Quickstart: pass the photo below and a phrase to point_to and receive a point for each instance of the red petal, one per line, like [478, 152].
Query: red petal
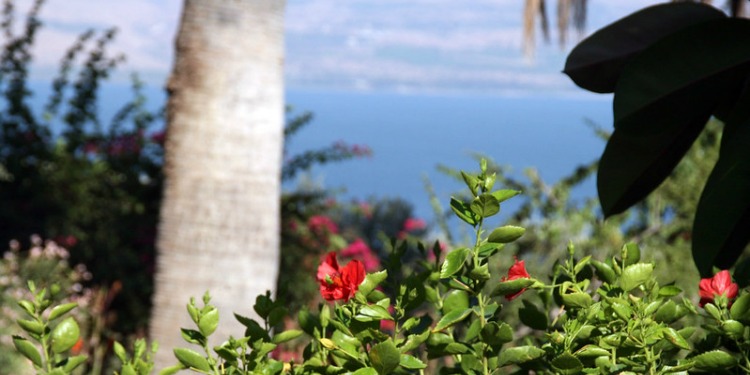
[329, 267]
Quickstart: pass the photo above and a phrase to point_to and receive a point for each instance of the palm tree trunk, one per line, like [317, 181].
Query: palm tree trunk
[219, 224]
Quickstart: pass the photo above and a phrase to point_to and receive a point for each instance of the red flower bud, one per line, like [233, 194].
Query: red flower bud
[516, 271]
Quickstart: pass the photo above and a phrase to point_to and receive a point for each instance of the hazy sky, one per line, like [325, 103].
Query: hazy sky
[383, 45]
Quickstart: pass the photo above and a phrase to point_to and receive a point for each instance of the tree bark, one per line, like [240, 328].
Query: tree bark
[219, 223]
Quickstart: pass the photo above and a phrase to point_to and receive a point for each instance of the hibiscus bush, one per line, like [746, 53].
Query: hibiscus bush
[442, 315]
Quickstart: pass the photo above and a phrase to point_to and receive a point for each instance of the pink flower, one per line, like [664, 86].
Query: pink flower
[412, 224]
[359, 250]
[339, 283]
[720, 284]
[320, 224]
[516, 271]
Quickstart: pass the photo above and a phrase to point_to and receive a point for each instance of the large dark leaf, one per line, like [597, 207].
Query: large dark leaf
[663, 99]
[633, 166]
[595, 64]
[713, 55]
[722, 220]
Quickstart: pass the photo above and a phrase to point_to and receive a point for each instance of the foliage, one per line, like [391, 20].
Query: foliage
[672, 67]
[594, 316]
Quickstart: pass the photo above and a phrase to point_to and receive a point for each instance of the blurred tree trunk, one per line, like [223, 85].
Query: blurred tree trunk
[219, 224]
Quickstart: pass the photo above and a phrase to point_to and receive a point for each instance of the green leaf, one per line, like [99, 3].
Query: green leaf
[675, 338]
[171, 370]
[495, 334]
[72, 362]
[577, 300]
[414, 341]
[192, 359]
[385, 357]
[631, 254]
[455, 300]
[463, 211]
[373, 312]
[485, 205]
[192, 336]
[506, 234]
[411, 363]
[28, 350]
[669, 291]
[120, 352]
[505, 194]
[532, 316]
[519, 354]
[58, 311]
[286, 336]
[723, 214]
[453, 263]
[471, 182]
[596, 63]
[604, 272]
[635, 275]
[65, 335]
[372, 280]
[592, 351]
[308, 322]
[208, 322]
[28, 307]
[740, 309]
[127, 369]
[567, 364]
[505, 288]
[31, 326]
[667, 312]
[365, 371]
[715, 360]
[450, 319]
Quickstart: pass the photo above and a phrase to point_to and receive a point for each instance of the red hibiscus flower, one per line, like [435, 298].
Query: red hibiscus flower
[339, 283]
[516, 271]
[720, 284]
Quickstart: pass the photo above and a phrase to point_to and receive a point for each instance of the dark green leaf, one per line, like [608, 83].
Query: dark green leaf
[567, 364]
[596, 63]
[385, 357]
[496, 334]
[519, 354]
[365, 371]
[532, 316]
[675, 338]
[604, 271]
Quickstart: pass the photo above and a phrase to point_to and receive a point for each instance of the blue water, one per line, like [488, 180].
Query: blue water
[410, 135]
